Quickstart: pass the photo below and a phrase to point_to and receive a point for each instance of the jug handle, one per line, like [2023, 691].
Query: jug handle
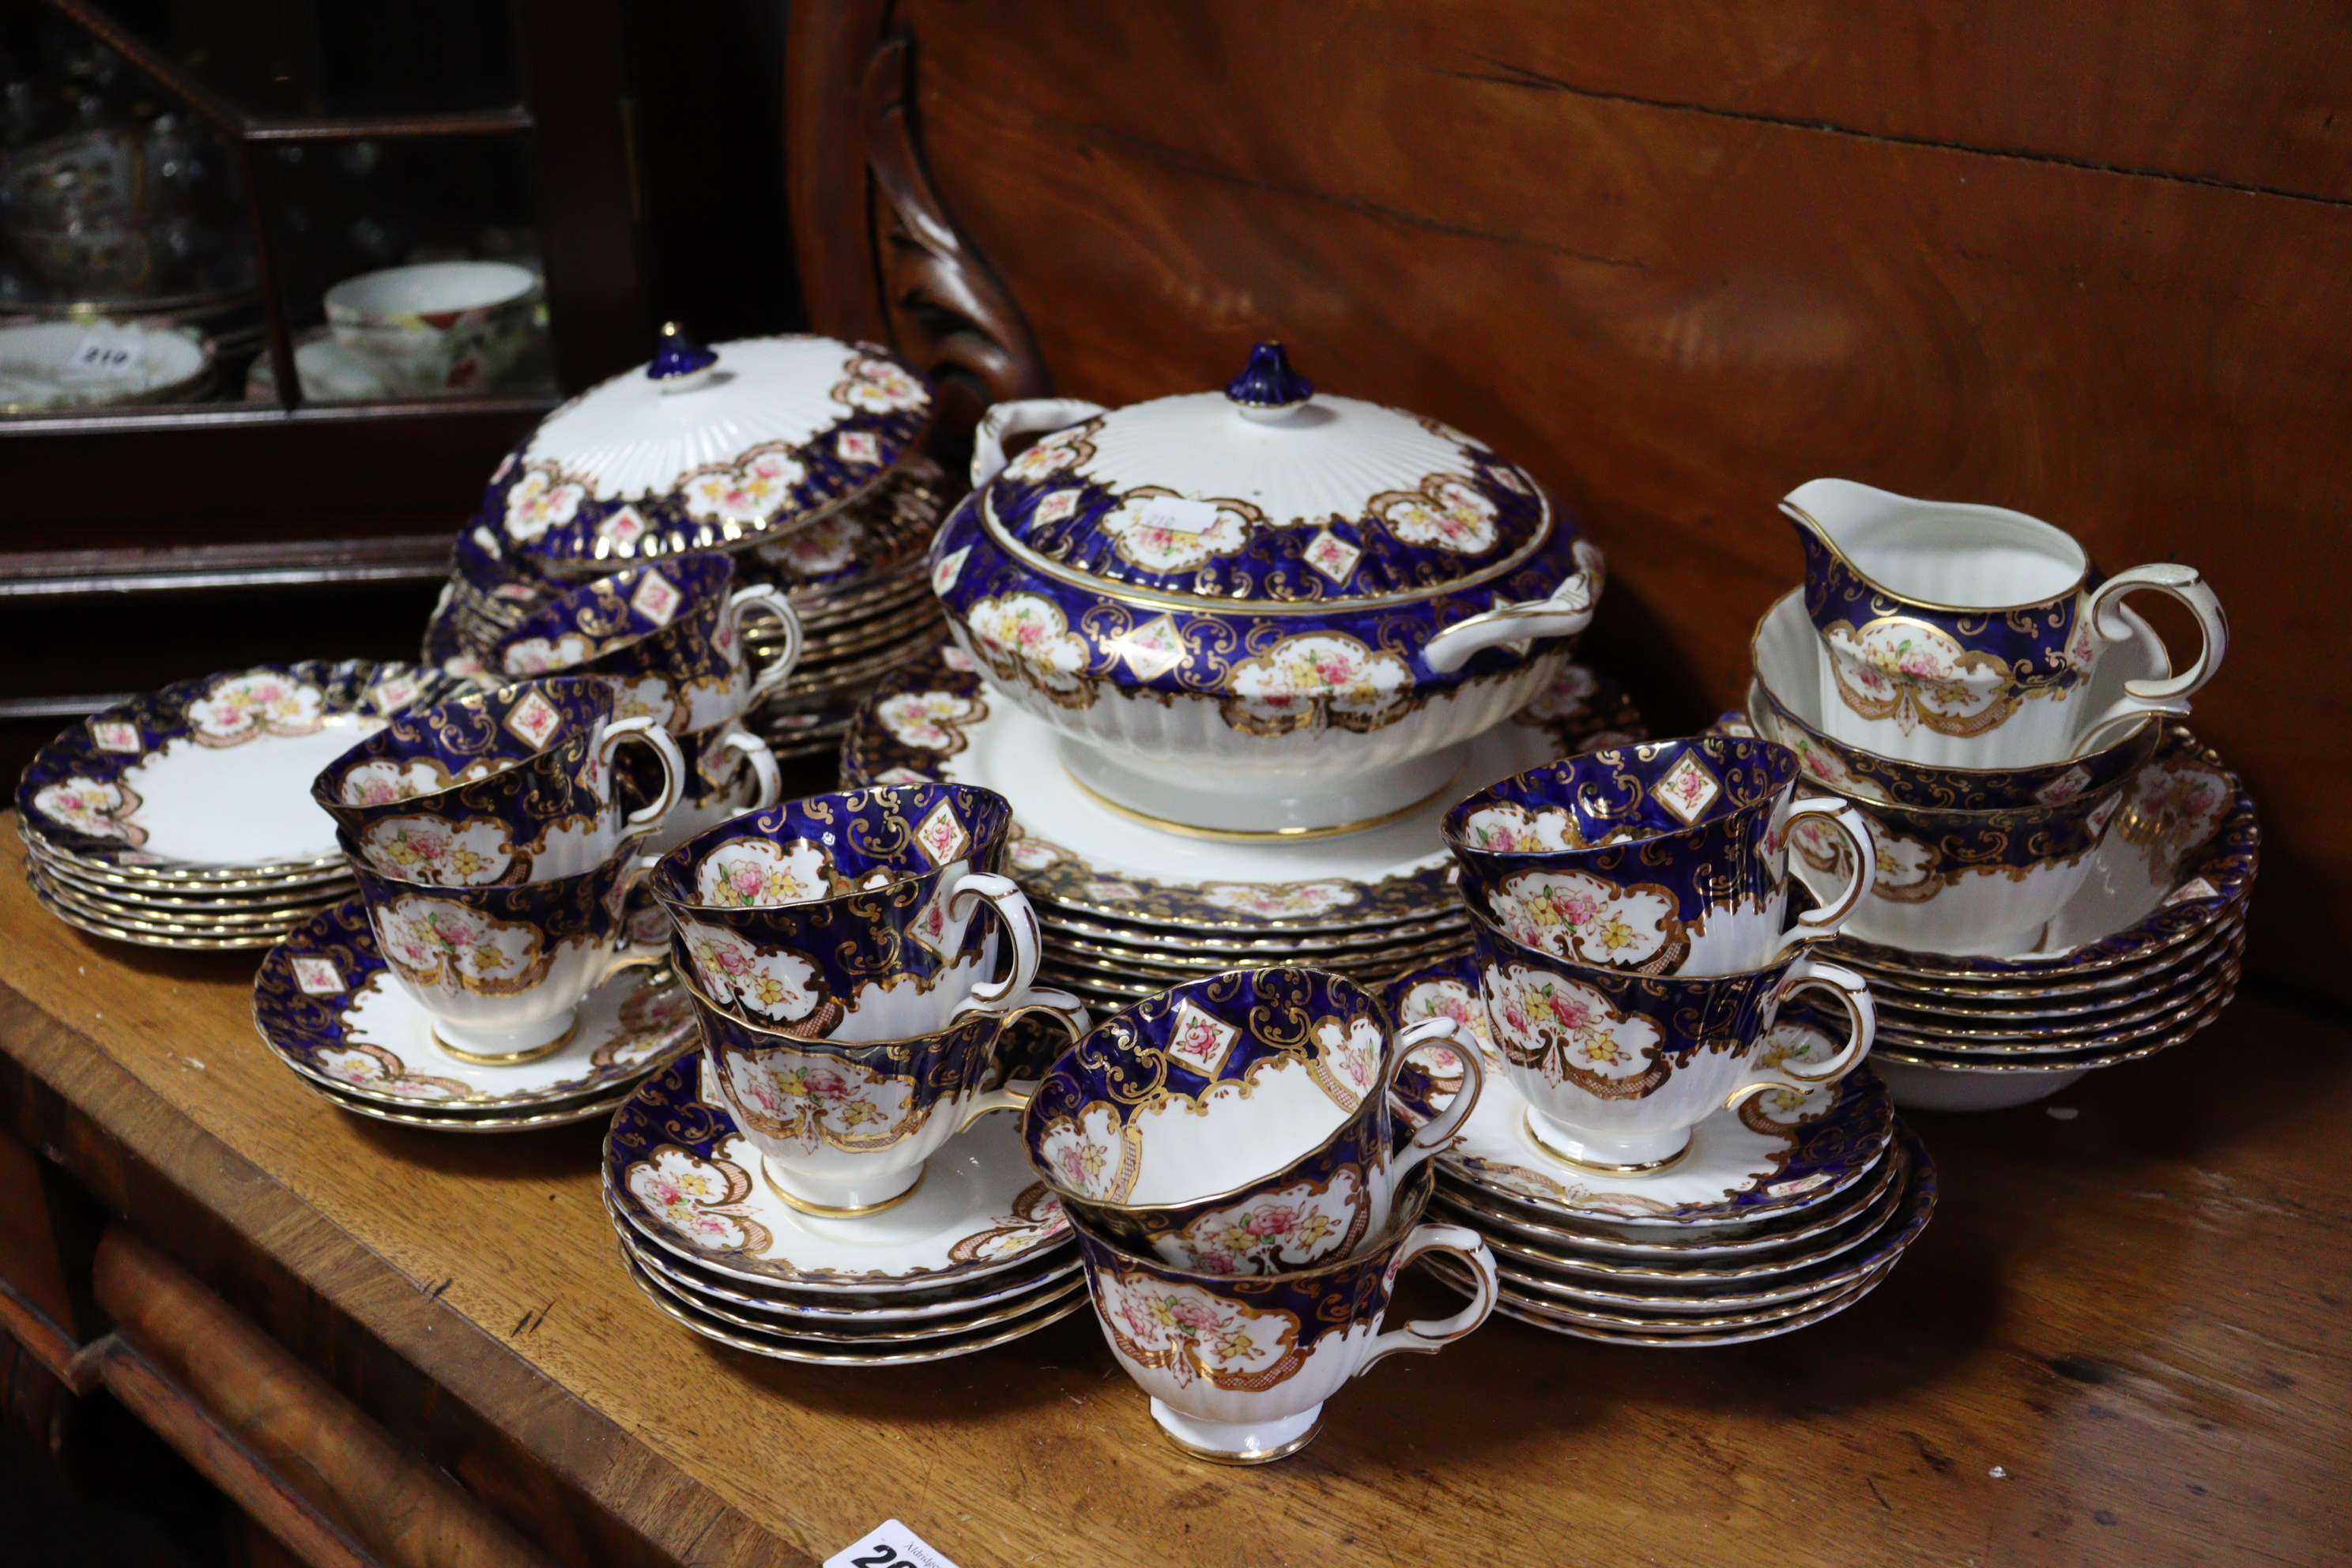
[2185, 585]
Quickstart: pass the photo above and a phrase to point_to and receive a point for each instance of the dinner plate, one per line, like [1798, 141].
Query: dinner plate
[936, 719]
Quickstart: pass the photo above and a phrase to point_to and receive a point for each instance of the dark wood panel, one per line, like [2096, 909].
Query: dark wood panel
[2257, 94]
[1675, 318]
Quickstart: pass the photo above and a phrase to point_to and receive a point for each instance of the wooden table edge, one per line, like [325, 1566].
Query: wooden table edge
[67, 1089]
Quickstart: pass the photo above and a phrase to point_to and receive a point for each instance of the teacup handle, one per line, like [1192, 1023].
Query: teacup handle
[1064, 1009]
[1429, 1335]
[764, 771]
[1815, 924]
[2170, 696]
[1018, 417]
[630, 955]
[1853, 993]
[1438, 1131]
[645, 819]
[767, 597]
[1568, 612]
[1012, 906]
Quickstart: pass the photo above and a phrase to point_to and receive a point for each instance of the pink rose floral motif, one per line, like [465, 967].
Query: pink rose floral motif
[1302, 680]
[1187, 1334]
[428, 849]
[817, 1102]
[825, 545]
[780, 985]
[383, 782]
[244, 706]
[755, 874]
[930, 721]
[1093, 1156]
[1567, 1030]
[654, 1020]
[1569, 694]
[93, 806]
[1512, 829]
[1916, 674]
[948, 568]
[1275, 900]
[877, 386]
[540, 500]
[1350, 1059]
[1026, 637]
[1331, 555]
[1290, 1229]
[942, 835]
[702, 1201]
[543, 656]
[1587, 919]
[2176, 806]
[373, 1068]
[1200, 1041]
[1446, 514]
[752, 490]
[438, 942]
[1052, 453]
[1166, 533]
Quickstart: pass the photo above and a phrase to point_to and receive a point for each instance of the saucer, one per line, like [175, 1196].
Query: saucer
[2095, 1031]
[936, 719]
[2181, 854]
[209, 942]
[325, 1002]
[554, 1113]
[685, 1178]
[1776, 1153]
[208, 780]
[1565, 1252]
[818, 1352]
[1894, 1227]
[906, 1331]
[835, 1308]
[1814, 1312]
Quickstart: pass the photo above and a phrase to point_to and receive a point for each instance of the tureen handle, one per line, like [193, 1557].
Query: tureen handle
[1568, 612]
[1018, 419]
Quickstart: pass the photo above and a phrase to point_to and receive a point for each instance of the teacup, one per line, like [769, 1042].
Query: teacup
[1784, 704]
[1238, 1124]
[1238, 1368]
[514, 785]
[1669, 858]
[1963, 636]
[669, 632]
[438, 326]
[502, 968]
[854, 915]
[843, 1130]
[1969, 883]
[1617, 1068]
[730, 771]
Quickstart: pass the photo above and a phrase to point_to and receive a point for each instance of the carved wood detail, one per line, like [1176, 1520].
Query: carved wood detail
[879, 257]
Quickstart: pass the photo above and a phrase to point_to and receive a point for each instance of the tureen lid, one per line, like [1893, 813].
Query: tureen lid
[1267, 491]
[706, 449]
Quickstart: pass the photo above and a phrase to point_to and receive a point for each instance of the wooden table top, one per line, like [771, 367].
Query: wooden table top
[2123, 1339]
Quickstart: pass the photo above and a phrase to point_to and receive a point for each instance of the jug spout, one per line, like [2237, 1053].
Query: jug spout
[1838, 521]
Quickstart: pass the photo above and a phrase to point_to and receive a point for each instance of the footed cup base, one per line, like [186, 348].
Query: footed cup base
[507, 1048]
[860, 1198]
[1238, 1442]
[1637, 1154]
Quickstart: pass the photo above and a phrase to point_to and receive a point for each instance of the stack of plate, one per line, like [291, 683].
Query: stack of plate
[858, 581]
[183, 818]
[978, 1255]
[1129, 911]
[2144, 956]
[327, 1005]
[1784, 1211]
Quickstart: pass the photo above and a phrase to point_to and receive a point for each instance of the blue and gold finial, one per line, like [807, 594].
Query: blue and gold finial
[1269, 385]
[680, 361]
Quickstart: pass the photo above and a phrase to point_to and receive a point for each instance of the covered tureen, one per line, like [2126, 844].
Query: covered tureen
[704, 449]
[1259, 611]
